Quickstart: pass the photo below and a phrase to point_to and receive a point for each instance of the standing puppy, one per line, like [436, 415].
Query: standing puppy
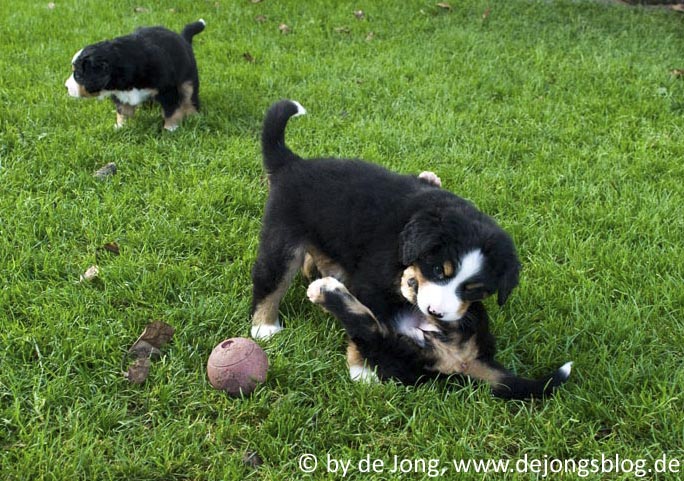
[151, 63]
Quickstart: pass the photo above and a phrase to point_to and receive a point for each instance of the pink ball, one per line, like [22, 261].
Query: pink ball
[237, 365]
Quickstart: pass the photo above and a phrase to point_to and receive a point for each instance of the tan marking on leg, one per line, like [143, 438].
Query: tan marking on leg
[184, 109]
[354, 357]
[172, 122]
[309, 269]
[266, 313]
[123, 112]
[483, 372]
[325, 265]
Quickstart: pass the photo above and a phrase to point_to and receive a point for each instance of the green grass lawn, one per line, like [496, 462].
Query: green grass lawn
[561, 119]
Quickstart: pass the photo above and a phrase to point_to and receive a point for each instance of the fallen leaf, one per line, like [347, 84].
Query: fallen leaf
[105, 171]
[138, 371]
[260, 18]
[370, 36]
[90, 274]
[146, 348]
[112, 247]
[678, 72]
[252, 459]
[284, 29]
[141, 10]
[248, 57]
[51, 5]
[157, 333]
[343, 29]
[486, 13]
[359, 14]
[444, 5]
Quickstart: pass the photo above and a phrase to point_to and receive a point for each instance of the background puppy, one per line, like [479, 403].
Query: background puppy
[411, 347]
[372, 223]
[151, 63]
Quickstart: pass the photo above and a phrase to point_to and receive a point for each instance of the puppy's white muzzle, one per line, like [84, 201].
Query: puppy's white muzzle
[72, 86]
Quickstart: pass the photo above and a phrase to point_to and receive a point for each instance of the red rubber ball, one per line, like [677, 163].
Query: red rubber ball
[236, 366]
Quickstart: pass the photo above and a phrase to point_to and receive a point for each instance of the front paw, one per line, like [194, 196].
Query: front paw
[409, 284]
[318, 288]
[430, 178]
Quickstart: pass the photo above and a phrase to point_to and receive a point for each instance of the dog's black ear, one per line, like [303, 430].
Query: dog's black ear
[420, 235]
[500, 252]
[97, 73]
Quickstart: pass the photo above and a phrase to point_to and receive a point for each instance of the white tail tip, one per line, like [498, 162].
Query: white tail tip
[300, 110]
[566, 369]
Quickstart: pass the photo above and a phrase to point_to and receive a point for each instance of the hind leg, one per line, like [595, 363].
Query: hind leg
[277, 263]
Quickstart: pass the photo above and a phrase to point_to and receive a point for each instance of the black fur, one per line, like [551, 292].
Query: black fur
[395, 356]
[150, 58]
[370, 221]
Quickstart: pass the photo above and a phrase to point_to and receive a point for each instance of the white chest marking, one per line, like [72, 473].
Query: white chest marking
[130, 97]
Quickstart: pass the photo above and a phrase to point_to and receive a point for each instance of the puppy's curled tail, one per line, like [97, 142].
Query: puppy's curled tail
[276, 153]
[510, 386]
[192, 29]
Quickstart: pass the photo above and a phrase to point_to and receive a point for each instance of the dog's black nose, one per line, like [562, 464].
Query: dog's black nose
[438, 315]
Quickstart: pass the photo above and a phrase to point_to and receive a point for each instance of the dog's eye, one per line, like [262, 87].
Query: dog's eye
[438, 271]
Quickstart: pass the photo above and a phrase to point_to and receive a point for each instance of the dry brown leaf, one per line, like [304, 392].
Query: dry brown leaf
[343, 29]
[260, 18]
[370, 36]
[141, 10]
[157, 333]
[486, 13]
[444, 5]
[112, 247]
[284, 29]
[248, 57]
[105, 171]
[138, 371]
[252, 459]
[678, 72]
[146, 348]
[90, 274]
[359, 14]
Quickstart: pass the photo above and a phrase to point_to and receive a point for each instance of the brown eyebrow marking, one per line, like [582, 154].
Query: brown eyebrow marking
[473, 285]
[448, 267]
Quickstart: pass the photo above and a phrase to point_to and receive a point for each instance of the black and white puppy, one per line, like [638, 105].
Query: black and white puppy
[371, 224]
[152, 63]
[411, 347]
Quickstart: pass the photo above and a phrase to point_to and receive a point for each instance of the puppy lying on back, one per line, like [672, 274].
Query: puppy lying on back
[152, 63]
[411, 347]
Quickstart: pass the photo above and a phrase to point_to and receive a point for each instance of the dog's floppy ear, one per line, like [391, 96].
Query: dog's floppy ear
[421, 234]
[97, 73]
[500, 251]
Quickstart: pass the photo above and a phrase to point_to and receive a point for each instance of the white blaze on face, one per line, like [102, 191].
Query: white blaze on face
[71, 84]
[442, 298]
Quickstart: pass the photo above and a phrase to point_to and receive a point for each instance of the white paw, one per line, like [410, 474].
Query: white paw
[363, 374]
[431, 177]
[171, 128]
[317, 288]
[265, 331]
